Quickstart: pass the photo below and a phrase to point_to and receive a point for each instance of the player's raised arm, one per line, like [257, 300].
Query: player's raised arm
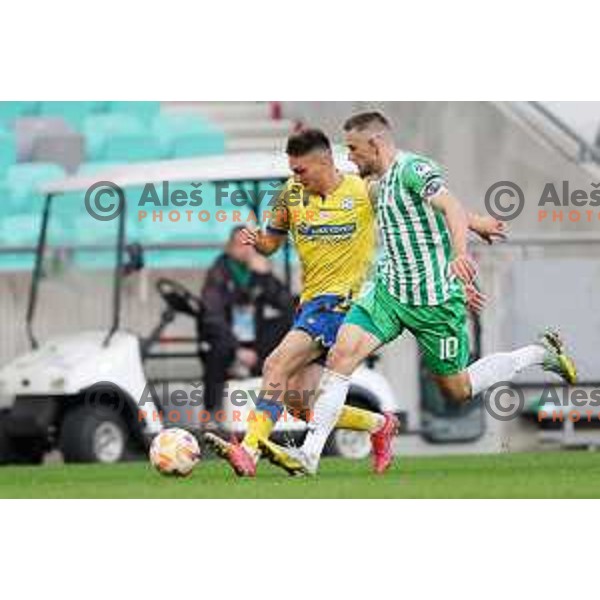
[488, 228]
[427, 181]
[458, 223]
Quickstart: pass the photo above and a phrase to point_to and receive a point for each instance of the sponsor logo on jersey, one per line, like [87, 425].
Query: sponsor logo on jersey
[326, 230]
[348, 203]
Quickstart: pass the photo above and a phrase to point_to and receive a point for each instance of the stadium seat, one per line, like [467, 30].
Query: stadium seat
[119, 137]
[8, 152]
[16, 261]
[27, 129]
[24, 179]
[73, 112]
[112, 123]
[207, 143]
[18, 231]
[98, 128]
[132, 147]
[8, 205]
[183, 136]
[9, 111]
[144, 110]
[66, 150]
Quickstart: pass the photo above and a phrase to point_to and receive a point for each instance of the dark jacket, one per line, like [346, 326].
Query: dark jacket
[221, 292]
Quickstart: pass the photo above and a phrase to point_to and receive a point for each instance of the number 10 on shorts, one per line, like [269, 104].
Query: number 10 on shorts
[448, 348]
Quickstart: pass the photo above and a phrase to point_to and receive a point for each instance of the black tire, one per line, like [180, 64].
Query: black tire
[82, 431]
[19, 451]
[6, 452]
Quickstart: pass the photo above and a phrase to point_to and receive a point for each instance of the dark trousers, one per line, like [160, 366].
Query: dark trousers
[218, 349]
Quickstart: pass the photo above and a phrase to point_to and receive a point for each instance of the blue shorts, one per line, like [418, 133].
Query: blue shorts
[322, 318]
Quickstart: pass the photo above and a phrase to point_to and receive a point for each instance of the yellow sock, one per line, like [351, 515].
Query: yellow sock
[359, 419]
[260, 426]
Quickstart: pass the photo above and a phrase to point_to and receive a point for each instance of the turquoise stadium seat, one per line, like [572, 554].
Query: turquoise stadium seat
[73, 112]
[9, 206]
[69, 210]
[86, 231]
[119, 137]
[9, 111]
[144, 110]
[22, 231]
[24, 179]
[72, 226]
[132, 195]
[113, 123]
[8, 152]
[183, 136]
[207, 143]
[132, 147]
[98, 128]
[184, 231]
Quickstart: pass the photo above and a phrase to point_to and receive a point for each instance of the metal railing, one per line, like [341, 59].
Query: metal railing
[587, 152]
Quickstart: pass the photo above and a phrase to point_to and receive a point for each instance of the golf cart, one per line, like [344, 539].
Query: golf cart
[85, 392]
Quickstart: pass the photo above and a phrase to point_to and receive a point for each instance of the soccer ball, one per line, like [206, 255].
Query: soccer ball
[174, 452]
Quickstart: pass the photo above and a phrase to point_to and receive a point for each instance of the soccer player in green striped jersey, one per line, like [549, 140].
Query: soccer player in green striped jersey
[423, 281]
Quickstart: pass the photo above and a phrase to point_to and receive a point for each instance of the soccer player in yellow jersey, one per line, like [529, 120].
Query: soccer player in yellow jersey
[330, 218]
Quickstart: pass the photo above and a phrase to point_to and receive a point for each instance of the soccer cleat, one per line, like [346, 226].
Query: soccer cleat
[381, 442]
[241, 461]
[556, 359]
[293, 460]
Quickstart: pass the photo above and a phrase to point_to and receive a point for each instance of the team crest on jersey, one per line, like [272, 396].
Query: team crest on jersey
[348, 203]
[422, 169]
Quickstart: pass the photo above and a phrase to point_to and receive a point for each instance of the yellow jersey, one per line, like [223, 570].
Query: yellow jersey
[334, 236]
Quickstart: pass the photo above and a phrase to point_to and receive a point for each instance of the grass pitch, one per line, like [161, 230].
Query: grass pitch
[546, 475]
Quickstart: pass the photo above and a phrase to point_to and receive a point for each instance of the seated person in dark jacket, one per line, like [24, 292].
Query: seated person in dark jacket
[248, 311]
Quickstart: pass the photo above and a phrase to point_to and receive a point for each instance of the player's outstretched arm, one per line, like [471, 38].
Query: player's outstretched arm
[458, 223]
[487, 227]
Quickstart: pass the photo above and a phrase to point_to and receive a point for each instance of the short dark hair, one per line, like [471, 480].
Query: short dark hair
[364, 120]
[307, 141]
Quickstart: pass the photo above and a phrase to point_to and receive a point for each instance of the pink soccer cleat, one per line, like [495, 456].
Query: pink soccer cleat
[240, 460]
[381, 441]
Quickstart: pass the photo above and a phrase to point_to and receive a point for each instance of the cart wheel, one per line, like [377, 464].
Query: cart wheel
[354, 445]
[93, 434]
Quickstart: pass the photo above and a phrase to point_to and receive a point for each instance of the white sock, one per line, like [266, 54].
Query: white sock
[503, 367]
[333, 390]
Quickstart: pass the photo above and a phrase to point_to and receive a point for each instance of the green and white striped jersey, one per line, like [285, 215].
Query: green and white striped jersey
[416, 247]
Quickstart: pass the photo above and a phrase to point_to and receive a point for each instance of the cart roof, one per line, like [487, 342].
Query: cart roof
[245, 166]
